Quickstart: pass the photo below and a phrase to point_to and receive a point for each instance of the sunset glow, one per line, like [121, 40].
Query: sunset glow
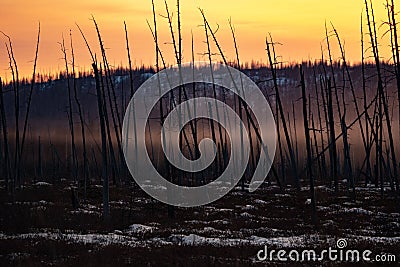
[298, 25]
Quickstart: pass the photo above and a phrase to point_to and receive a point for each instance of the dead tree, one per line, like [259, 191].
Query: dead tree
[395, 46]
[367, 118]
[81, 119]
[333, 151]
[116, 120]
[171, 209]
[351, 88]
[245, 107]
[218, 166]
[70, 114]
[102, 115]
[100, 105]
[272, 62]
[308, 148]
[32, 85]
[15, 85]
[323, 162]
[131, 90]
[374, 44]
[6, 165]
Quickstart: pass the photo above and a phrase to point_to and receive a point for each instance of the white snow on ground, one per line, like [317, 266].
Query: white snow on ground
[154, 187]
[42, 184]
[249, 207]
[270, 231]
[394, 224]
[329, 223]
[377, 239]
[221, 222]
[335, 209]
[97, 239]
[85, 211]
[139, 229]
[31, 203]
[351, 203]
[324, 188]
[246, 214]
[323, 208]
[212, 208]
[196, 240]
[300, 241]
[371, 187]
[209, 229]
[217, 222]
[358, 210]
[261, 202]
[18, 256]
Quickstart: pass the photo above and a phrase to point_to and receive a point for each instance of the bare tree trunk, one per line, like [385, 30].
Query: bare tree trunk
[114, 170]
[396, 59]
[40, 163]
[129, 60]
[324, 97]
[323, 162]
[333, 79]
[182, 90]
[272, 61]
[278, 134]
[102, 114]
[368, 152]
[100, 104]
[219, 166]
[85, 158]
[308, 147]
[116, 119]
[195, 136]
[374, 43]
[352, 89]
[70, 115]
[332, 138]
[29, 99]
[296, 146]
[132, 92]
[347, 158]
[255, 127]
[15, 85]
[6, 165]
[395, 47]
[171, 209]
[320, 167]
[240, 102]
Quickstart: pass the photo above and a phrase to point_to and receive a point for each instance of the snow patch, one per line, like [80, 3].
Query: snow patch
[42, 184]
[140, 229]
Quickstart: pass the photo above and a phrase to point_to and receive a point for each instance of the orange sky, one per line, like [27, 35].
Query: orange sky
[298, 25]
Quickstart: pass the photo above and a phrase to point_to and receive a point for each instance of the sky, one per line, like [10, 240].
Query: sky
[297, 25]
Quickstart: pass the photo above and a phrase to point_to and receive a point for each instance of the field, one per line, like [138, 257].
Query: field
[40, 227]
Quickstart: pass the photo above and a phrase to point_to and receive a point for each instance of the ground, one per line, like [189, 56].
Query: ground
[39, 226]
